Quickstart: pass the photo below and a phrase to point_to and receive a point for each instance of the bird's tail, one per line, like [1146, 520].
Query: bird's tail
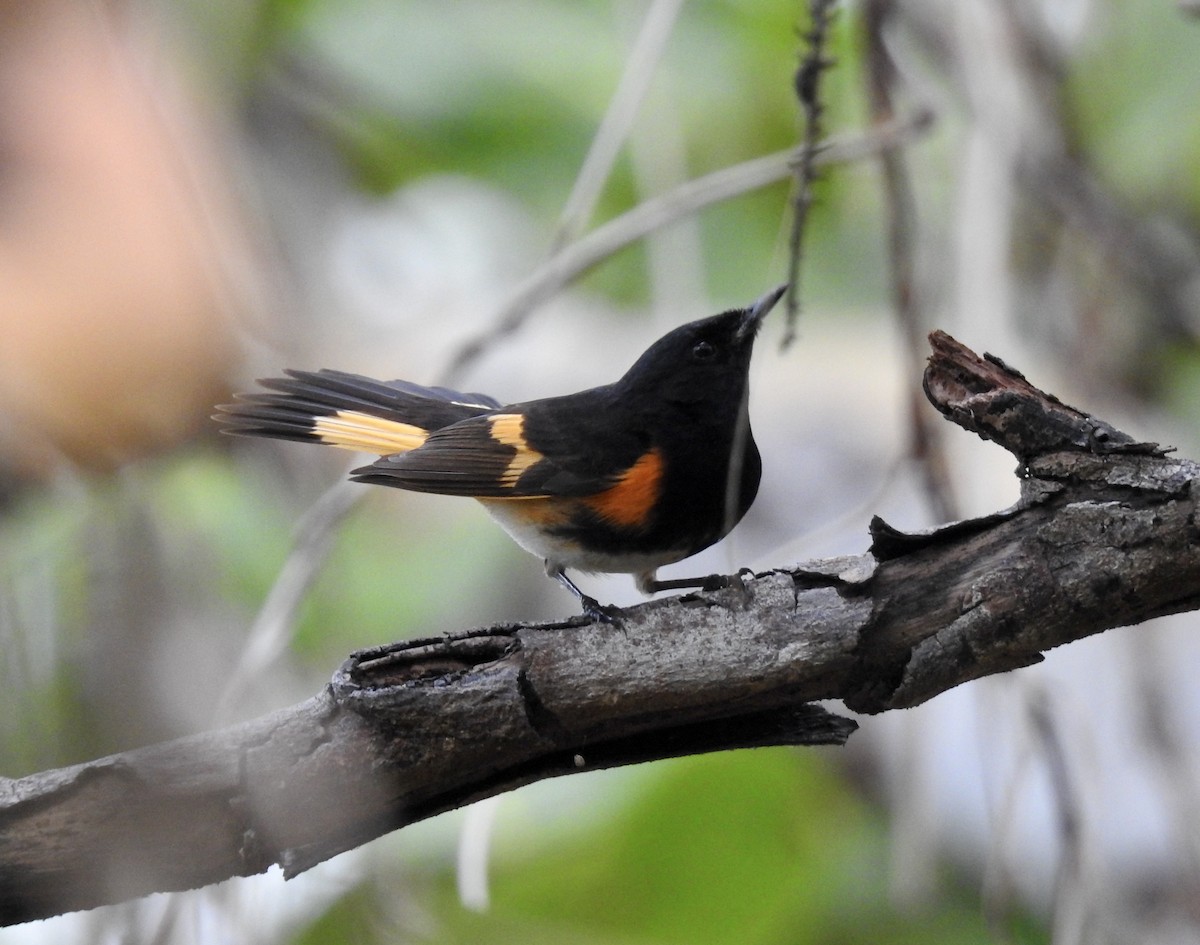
[348, 411]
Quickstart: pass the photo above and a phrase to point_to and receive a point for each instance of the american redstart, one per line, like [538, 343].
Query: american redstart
[623, 478]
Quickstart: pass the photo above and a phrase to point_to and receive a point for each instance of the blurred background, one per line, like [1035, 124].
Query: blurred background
[194, 194]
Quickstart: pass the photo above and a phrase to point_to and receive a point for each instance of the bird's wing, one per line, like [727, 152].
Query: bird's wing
[489, 456]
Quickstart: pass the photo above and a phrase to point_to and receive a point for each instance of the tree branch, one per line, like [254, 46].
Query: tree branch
[1104, 535]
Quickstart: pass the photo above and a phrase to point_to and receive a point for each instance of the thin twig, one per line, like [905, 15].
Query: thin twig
[808, 91]
[998, 887]
[1173, 762]
[1070, 922]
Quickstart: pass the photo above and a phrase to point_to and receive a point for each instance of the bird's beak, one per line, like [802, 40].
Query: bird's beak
[758, 311]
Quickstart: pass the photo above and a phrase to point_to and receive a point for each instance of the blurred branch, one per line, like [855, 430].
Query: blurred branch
[900, 207]
[574, 259]
[1104, 535]
[618, 119]
[1011, 74]
[1072, 875]
[273, 628]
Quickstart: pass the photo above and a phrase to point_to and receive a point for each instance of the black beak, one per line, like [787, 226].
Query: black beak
[758, 311]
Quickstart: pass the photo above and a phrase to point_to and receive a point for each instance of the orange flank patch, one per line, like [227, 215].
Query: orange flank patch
[509, 429]
[352, 430]
[630, 502]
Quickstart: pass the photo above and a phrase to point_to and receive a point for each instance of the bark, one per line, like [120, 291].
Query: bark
[1104, 535]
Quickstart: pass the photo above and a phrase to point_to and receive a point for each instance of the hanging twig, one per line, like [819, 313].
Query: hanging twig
[808, 92]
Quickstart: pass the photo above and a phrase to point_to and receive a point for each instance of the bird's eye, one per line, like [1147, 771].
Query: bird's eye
[703, 351]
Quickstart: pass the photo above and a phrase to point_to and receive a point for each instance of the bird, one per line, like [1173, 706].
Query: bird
[622, 478]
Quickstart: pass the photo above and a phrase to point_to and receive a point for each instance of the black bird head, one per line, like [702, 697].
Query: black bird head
[705, 360]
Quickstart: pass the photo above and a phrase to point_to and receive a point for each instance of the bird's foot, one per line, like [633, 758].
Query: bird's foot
[601, 613]
[592, 608]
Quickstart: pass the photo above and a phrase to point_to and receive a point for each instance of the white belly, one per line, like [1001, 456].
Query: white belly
[561, 553]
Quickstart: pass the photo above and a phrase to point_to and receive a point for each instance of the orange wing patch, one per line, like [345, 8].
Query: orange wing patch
[509, 429]
[352, 430]
[630, 502]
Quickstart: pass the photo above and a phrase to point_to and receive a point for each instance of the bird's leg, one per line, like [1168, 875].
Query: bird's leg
[591, 607]
[649, 584]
